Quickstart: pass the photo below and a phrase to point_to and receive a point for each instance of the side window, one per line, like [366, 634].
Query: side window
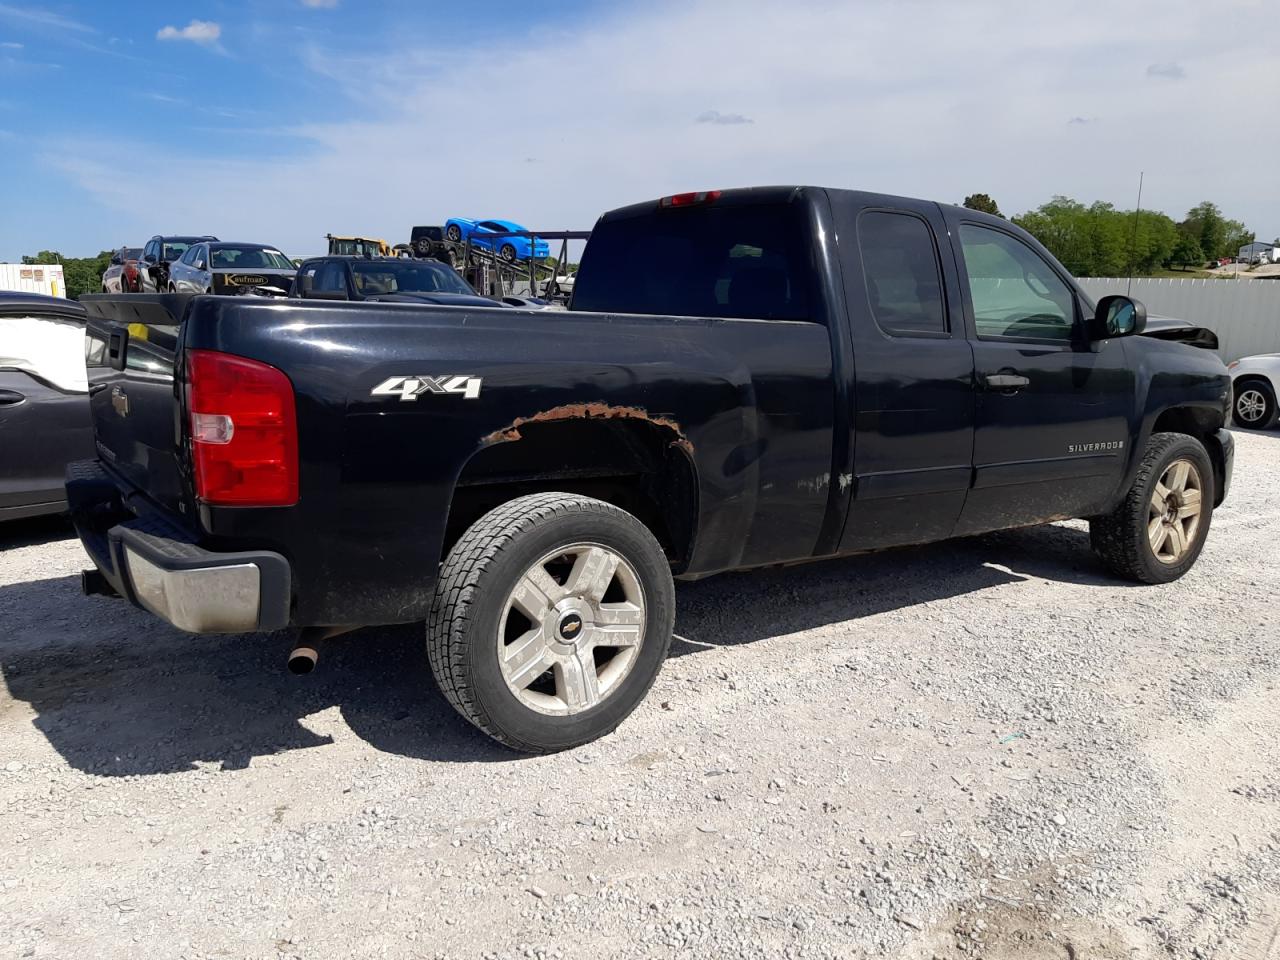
[904, 284]
[1014, 292]
[189, 257]
[150, 250]
[331, 277]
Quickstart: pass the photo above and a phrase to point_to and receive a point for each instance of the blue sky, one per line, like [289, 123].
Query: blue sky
[280, 120]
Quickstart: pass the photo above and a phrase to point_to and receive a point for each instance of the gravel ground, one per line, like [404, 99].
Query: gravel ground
[984, 748]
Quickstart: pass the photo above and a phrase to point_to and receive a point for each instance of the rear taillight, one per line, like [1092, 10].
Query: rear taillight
[244, 431]
[689, 199]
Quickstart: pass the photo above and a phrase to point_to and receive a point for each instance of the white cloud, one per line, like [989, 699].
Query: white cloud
[42, 19]
[832, 99]
[197, 31]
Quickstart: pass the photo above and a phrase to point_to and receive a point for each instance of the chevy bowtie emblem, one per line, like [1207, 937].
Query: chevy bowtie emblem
[120, 401]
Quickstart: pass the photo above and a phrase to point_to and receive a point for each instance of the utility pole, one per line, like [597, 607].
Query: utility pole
[1133, 243]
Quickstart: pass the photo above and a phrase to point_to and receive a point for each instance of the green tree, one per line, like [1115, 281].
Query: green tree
[982, 202]
[1206, 223]
[1187, 251]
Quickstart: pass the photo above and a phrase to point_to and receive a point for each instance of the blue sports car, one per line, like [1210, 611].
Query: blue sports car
[459, 229]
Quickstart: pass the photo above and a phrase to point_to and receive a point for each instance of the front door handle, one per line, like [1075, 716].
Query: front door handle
[10, 397]
[1010, 382]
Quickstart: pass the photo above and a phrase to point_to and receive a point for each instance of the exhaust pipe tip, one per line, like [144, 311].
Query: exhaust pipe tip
[303, 660]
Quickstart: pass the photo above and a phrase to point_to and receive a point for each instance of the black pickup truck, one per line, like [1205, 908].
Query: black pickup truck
[813, 373]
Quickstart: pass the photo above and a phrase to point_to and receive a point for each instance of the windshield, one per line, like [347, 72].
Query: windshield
[131, 253]
[379, 277]
[172, 251]
[249, 258]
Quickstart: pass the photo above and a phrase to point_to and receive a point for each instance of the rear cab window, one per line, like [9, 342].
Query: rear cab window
[735, 261]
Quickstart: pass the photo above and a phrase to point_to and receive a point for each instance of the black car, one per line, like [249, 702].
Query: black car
[429, 243]
[222, 267]
[44, 405]
[157, 255]
[385, 279]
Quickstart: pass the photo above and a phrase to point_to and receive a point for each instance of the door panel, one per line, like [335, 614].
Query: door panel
[913, 399]
[41, 430]
[1052, 424]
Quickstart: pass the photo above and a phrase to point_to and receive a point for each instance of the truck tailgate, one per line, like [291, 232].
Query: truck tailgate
[135, 404]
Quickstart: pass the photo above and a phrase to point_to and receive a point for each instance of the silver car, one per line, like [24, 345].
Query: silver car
[233, 268]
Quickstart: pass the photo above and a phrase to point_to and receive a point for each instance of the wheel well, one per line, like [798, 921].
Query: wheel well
[1200, 424]
[1252, 378]
[634, 464]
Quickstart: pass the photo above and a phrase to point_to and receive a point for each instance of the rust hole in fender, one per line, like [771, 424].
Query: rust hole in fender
[591, 411]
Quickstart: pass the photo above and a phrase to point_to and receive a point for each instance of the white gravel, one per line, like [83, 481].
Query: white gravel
[984, 748]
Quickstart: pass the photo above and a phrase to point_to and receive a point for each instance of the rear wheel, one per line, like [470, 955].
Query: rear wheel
[454, 233]
[1159, 529]
[551, 619]
[1255, 405]
[507, 253]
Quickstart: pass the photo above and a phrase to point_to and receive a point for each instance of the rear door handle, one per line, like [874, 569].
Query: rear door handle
[1007, 381]
[10, 397]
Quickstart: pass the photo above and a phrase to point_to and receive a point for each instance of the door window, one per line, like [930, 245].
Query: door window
[189, 258]
[332, 277]
[904, 283]
[1015, 293]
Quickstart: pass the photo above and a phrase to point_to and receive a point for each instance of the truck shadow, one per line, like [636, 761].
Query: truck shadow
[118, 693]
[35, 530]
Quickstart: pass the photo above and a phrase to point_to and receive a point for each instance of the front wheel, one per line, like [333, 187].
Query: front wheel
[551, 619]
[1255, 406]
[454, 233]
[507, 253]
[1159, 529]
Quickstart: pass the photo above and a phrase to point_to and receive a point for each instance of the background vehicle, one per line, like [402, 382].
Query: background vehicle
[530, 483]
[1255, 383]
[156, 257]
[44, 405]
[365, 247]
[389, 279]
[224, 267]
[429, 243]
[122, 273]
[460, 230]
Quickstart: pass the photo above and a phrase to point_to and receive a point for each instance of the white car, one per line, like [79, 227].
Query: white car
[1255, 382]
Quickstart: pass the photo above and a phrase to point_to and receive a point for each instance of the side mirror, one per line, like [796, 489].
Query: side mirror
[1118, 316]
[199, 264]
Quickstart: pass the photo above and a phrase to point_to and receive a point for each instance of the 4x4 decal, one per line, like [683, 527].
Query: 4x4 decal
[411, 388]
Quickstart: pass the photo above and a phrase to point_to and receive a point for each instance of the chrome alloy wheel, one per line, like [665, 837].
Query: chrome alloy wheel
[1251, 405]
[1176, 507]
[571, 629]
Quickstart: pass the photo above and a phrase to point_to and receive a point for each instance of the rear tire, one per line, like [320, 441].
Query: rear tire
[1255, 405]
[507, 253]
[1157, 532]
[501, 636]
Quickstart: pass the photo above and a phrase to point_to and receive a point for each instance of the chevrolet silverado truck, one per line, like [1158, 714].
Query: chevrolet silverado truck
[814, 373]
